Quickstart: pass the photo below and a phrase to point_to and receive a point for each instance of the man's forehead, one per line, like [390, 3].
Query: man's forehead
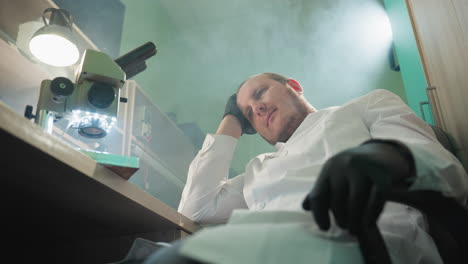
[247, 88]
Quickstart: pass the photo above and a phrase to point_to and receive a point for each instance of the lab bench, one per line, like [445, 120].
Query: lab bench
[62, 206]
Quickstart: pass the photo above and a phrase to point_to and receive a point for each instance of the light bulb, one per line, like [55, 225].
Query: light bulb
[54, 50]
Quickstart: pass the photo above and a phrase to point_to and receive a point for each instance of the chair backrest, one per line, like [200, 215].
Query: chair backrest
[444, 139]
[447, 221]
[446, 218]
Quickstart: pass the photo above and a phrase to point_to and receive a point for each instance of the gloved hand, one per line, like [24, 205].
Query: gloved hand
[233, 109]
[353, 184]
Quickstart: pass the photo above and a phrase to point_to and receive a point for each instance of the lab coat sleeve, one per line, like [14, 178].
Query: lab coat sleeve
[388, 117]
[209, 197]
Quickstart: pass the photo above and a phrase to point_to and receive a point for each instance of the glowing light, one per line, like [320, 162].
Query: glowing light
[92, 125]
[54, 50]
[50, 124]
[377, 26]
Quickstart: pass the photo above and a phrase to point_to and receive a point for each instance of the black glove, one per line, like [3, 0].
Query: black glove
[354, 183]
[233, 109]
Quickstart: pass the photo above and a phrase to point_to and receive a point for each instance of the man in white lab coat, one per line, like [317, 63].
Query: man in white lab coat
[334, 162]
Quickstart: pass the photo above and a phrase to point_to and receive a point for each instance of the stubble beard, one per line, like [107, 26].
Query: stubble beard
[294, 121]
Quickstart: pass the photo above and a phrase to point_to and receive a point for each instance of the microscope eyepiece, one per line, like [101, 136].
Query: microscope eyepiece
[133, 62]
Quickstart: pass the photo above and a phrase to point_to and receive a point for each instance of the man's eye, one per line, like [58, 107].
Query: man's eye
[259, 93]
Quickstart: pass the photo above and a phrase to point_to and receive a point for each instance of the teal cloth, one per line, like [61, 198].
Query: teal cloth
[271, 237]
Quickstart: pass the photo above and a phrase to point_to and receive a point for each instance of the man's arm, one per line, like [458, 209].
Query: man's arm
[230, 126]
[388, 117]
[209, 196]
[354, 184]
[402, 154]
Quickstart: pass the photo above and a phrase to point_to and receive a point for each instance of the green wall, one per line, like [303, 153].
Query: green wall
[206, 48]
[408, 56]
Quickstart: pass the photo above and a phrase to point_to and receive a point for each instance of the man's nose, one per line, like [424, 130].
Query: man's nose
[260, 109]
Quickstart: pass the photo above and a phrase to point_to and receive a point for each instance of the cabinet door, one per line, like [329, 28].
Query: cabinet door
[406, 50]
[442, 30]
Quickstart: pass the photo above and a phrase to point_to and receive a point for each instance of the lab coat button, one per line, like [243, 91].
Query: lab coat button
[261, 205]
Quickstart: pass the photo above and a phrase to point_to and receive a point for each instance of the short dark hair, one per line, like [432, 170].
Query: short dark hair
[274, 76]
[277, 77]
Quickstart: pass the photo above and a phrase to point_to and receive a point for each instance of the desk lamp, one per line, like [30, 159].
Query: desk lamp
[54, 43]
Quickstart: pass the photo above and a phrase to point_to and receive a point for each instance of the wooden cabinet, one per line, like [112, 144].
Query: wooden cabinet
[440, 29]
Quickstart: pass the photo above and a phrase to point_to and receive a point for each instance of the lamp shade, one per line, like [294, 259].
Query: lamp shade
[54, 43]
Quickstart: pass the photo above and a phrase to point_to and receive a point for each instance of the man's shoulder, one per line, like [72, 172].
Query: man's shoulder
[381, 92]
[377, 94]
[373, 96]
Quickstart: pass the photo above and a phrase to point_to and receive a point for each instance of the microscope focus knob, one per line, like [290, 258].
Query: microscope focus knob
[61, 86]
[28, 112]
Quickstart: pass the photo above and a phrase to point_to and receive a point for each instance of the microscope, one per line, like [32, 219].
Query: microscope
[91, 103]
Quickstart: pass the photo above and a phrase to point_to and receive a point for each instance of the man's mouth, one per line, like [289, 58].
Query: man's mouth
[270, 117]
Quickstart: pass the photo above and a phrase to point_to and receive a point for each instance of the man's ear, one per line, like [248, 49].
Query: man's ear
[295, 85]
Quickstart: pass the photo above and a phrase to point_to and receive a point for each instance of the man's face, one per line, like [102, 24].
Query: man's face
[274, 109]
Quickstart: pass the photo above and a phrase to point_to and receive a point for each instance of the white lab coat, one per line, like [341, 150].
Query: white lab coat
[279, 181]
